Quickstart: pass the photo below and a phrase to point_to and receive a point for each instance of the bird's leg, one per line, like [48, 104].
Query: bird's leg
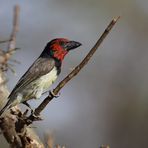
[35, 117]
[28, 105]
[53, 95]
[44, 92]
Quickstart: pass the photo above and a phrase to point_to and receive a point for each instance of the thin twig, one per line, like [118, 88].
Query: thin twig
[12, 40]
[4, 41]
[76, 70]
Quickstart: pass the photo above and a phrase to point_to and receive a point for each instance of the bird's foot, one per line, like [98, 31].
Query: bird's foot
[51, 93]
[25, 112]
[27, 104]
[34, 116]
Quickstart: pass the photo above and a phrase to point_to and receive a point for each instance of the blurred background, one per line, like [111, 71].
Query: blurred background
[107, 103]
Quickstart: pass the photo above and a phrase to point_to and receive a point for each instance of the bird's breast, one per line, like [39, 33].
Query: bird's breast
[42, 84]
[47, 80]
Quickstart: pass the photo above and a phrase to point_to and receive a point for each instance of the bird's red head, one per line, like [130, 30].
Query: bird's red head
[59, 47]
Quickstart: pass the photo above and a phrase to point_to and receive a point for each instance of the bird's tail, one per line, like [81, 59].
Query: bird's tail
[5, 108]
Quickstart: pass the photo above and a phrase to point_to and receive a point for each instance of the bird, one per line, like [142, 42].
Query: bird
[41, 74]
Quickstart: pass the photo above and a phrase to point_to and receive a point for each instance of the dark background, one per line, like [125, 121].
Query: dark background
[107, 103]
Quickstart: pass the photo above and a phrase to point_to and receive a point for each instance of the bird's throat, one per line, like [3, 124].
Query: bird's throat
[60, 54]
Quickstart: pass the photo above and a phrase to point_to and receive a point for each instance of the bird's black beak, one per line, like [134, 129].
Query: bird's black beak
[72, 45]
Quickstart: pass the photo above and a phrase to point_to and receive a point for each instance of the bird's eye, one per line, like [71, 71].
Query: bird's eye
[62, 43]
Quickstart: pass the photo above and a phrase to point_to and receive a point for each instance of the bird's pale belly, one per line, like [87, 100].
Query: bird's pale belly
[36, 88]
[47, 80]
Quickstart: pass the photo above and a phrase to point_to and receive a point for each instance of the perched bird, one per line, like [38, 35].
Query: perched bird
[41, 75]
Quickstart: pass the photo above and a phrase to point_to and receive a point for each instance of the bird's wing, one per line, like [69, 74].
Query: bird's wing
[39, 68]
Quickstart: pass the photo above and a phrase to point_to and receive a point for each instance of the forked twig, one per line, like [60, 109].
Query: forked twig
[12, 41]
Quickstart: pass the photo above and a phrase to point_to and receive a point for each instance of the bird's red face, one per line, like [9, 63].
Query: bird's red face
[58, 48]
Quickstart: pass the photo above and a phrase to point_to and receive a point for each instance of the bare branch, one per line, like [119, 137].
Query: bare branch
[76, 70]
[12, 40]
[4, 41]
